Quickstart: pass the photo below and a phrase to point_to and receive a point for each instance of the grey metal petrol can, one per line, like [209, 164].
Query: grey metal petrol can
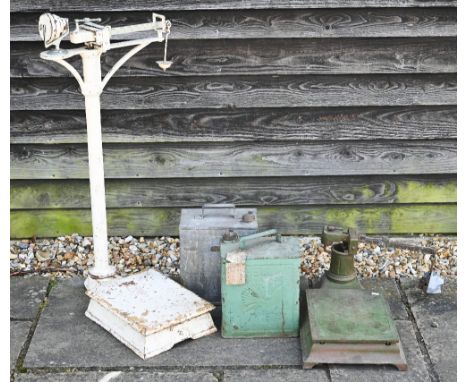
[200, 231]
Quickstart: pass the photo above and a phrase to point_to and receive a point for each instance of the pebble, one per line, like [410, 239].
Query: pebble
[68, 256]
[73, 254]
[379, 261]
[86, 242]
[43, 255]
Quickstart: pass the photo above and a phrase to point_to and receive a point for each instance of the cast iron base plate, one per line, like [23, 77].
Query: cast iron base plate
[349, 326]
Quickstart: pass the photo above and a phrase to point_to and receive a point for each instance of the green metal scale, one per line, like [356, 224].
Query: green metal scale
[341, 322]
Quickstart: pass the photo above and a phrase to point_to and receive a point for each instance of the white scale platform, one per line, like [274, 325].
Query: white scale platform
[148, 311]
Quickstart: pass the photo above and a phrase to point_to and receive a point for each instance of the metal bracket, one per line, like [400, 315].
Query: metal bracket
[332, 234]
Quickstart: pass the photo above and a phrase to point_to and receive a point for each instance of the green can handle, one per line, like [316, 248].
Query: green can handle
[259, 235]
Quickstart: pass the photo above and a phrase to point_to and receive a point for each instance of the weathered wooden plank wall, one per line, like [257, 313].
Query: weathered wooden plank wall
[315, 112]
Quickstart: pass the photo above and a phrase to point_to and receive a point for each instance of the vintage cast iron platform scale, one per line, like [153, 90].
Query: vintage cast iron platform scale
[343, 323]
[147, 311]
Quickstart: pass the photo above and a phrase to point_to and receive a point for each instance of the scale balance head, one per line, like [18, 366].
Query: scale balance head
[53, 28]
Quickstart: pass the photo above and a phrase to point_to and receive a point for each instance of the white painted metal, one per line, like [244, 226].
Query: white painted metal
[92, 91]
[52, 29]
[148, 311]
[97, 40]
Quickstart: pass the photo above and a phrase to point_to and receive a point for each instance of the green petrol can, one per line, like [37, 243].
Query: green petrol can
[260, 285]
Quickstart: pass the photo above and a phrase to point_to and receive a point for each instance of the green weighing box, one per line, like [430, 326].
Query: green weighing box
[260, 285]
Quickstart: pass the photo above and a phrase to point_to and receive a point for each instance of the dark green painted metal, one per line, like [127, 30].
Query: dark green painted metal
[349, 316]
[341, 264]
[267, 304]
[342, 253]
[343, 323]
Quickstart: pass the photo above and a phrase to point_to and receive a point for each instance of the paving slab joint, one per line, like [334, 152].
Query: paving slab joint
[422, 344]
[19, 366]
[217, 371]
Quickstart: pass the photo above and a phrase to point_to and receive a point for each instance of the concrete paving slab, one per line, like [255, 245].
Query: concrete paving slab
[436, 317]
[64, 337]
[391, 293]
[276, 375]
[118, 376]
[19, 331]
[417, 370]
[26, 293]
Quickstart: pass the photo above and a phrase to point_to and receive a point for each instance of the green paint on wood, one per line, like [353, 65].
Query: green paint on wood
[395, 219]
[427, 192]
[180, 193]
[49, 223]
[372, 219]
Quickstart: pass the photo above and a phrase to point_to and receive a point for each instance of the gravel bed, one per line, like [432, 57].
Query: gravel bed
[69, 255]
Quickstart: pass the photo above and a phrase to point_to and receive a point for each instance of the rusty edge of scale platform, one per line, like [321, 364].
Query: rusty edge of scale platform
[360, 348]
[130, 298]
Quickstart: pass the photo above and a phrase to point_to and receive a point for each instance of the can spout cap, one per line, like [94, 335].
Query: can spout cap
[249, 217]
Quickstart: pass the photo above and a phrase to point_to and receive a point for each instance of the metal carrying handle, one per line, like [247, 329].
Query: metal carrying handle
[219, 207]
[259, 235]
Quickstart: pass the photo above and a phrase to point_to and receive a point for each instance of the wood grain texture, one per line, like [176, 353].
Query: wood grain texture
[271, 23]
[241, 92]
[232, 160]
[396, 219]
[127, 193]
[317, 112]
[182, 5]
[287, 124]
[256, 57]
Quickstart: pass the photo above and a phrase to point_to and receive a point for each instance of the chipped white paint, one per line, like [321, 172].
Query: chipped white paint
[148, 311]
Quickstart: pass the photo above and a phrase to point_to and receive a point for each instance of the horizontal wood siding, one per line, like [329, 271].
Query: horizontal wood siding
[256, 191]
[240, 159]
[273, 23]
[249, 57]
[241, 92]
[181, 5]
[306, 220]
[239, 125]
[316, 112]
